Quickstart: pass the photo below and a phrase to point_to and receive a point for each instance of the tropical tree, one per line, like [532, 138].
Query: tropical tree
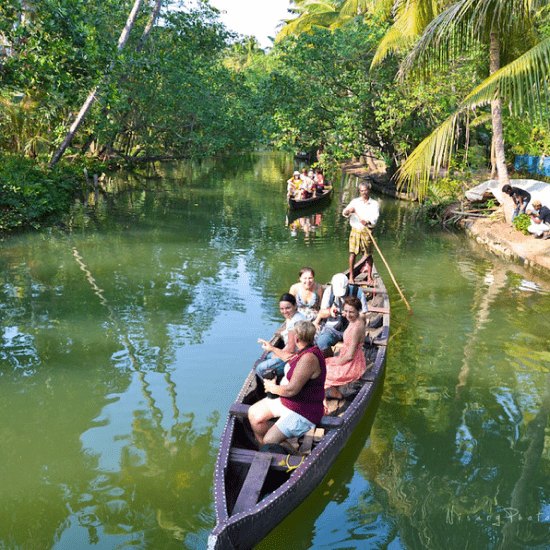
[92, 96]
[339, 102]
[507, 28]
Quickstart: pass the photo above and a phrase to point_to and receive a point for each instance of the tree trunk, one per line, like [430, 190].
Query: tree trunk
[496, 119]
[93, 94]
[149, 26]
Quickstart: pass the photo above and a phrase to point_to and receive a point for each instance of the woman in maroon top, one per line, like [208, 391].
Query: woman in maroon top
[298, 400]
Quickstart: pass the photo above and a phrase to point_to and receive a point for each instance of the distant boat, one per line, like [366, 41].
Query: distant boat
[306, 155]
[298, 204]
[254, 491]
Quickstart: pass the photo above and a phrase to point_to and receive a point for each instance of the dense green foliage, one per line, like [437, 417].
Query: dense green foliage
[339, 102]
[173, 98]
[29, 197]
[192, 89]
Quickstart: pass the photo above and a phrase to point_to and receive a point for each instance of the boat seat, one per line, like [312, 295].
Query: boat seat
[279, 462]
[253, 483]
[327, 422]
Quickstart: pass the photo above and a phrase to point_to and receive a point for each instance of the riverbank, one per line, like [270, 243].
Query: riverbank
[492, 232]
[505, 240]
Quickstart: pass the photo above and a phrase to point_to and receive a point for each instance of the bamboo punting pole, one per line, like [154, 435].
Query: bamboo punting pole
[389, 270]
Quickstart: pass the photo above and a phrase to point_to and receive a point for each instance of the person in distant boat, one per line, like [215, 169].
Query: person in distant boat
[332, 306]
[319, 180]
[520, 197]
[308, 293]
[350, 364]
[297, 401]
[275, 360]
[293, 184]
[540, 220]
[306, 186]
[363, 212]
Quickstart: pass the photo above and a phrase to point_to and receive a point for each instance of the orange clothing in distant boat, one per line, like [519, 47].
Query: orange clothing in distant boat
[338, 375]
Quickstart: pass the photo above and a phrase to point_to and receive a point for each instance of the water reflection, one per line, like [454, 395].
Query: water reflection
[309, 225]
[125, 339]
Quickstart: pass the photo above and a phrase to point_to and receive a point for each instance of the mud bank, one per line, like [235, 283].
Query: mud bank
[506, 241]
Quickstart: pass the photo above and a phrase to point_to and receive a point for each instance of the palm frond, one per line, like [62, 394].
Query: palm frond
[353, 8]
[432, 153]
[305, 23]
[411, 18]
[523, 84]
[454, 30]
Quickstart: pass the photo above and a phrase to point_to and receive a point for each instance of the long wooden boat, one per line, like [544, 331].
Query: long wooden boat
[254, 491]
[297, 204]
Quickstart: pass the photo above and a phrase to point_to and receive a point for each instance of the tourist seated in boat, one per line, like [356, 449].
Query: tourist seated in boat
[275, 361]
[297, 401]
[540, 220]
[293, 184]
[319, 182]
[329, 322]
[308, 293]
[521, 199]
[306, 188]
[350, 364]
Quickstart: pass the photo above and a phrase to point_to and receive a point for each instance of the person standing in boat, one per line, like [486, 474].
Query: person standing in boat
[363, 212]
[298, 401]
[275, 360]
[350, 364]
[332, 306]
[308, 293]
[520, 197]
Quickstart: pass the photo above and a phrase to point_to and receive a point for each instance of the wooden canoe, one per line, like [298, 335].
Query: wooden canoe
[298, 204]
[254, 491]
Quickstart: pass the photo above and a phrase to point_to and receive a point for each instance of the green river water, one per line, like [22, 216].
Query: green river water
[124, 341]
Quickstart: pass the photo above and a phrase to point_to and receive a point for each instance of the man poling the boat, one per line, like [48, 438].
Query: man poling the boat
[363, 212]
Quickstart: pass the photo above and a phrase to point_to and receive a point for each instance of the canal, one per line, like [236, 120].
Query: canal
[125, 339]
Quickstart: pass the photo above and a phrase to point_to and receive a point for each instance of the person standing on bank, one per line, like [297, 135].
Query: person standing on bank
[363, 212]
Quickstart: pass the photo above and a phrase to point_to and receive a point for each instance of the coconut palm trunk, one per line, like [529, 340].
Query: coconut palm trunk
[92, 96]
[496, 116]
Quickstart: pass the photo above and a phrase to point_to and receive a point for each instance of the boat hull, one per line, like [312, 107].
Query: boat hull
[299, 204]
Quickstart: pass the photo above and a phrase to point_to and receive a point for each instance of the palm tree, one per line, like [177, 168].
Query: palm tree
[329, 14]
[523, 83]
[502, 25]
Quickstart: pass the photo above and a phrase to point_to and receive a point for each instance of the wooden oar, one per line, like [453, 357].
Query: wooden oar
[389, 270]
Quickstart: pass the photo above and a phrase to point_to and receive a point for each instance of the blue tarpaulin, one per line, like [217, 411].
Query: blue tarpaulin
[533, 164]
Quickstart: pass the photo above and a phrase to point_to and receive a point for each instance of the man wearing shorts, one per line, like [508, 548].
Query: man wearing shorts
[365, 215]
